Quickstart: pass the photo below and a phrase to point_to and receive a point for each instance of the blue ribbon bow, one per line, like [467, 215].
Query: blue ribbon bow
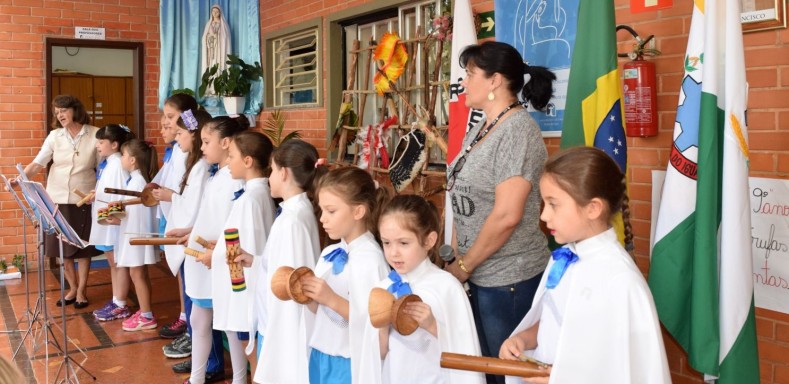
[128, 180]
[168, 153]
[338, 258]
[279, 212]
[213, 169]
[398, 288]
[100, 169]
[563, 258]
[238, 194]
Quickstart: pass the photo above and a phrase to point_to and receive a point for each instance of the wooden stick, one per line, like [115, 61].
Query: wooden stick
[124, 192]
[203, 242]
[154, 240]
[86, 198]
[192, 252]
[491, 365]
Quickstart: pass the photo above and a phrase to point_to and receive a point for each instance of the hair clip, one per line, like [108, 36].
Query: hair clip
[189, 120]
[125, 128]
[320, 161]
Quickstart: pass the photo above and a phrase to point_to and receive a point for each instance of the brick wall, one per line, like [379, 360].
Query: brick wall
[25, 23]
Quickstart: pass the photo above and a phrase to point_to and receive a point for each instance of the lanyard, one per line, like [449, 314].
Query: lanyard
[487, 129]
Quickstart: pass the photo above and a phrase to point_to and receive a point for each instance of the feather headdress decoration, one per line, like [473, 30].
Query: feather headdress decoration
[390, 56]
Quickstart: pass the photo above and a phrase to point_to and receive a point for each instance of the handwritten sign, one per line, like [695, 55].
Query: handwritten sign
[770, 242]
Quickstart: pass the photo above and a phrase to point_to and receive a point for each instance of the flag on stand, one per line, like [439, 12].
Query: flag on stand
[701, 268]
[593, 112]
[461, 118]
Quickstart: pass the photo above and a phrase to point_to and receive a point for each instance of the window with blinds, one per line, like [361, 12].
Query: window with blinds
[295, 67]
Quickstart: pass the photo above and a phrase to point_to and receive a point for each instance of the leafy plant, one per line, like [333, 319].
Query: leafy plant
[3, 266]
[235, 80]
[273, 127]
[186, 91]
[19, 262]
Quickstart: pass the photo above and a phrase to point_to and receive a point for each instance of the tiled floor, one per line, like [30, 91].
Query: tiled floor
[108, 353]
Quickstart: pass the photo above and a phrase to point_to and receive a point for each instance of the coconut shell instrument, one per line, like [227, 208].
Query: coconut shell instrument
[492, 365]
[85, 196]
[286, 284]
[145, 196]
[385, 310]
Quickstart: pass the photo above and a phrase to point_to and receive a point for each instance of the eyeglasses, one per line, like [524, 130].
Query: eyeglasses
[458, 167]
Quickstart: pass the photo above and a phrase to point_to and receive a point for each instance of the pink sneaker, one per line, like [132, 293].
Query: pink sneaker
[138, 322]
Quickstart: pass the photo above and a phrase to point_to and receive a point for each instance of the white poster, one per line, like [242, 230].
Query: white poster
[770, 242]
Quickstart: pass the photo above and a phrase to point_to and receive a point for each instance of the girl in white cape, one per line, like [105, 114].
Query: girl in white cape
[252, 215]
[169, 176]
[215, 205]
[409, 227]
[593, 318]
[344, 275]
[139, 159]
[284, 327]
[110, 173]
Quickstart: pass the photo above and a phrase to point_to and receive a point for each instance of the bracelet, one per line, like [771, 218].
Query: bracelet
[462, 266]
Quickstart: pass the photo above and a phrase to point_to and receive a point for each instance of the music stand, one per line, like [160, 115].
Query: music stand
[31, 315]
[52, 221]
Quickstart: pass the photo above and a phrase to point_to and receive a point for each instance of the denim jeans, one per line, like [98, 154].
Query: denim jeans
[497, 311]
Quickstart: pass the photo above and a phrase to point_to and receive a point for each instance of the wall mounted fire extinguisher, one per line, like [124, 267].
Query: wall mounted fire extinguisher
[640, 88]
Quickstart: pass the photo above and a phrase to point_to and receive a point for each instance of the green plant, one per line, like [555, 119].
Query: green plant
[19, 262]
[235, 80]
[3, 266]
[273, 127]
[186, 91]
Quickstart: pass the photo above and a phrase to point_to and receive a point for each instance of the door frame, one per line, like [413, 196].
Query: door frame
[137, 48]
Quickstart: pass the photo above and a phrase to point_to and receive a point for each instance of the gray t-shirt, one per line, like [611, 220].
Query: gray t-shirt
[514, 148]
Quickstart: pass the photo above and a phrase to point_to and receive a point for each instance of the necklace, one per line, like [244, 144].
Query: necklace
[487, 129]
[74, 144]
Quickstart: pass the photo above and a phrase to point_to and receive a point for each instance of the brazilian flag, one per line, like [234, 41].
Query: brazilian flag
[593, 114]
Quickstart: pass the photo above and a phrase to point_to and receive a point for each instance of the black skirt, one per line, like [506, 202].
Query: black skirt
[80, 218]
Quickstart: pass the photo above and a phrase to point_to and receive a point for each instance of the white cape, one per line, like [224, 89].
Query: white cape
[456, 333]
[293, 241]
[183, 212]
[113, 176]
[610, 332]
[139, 219]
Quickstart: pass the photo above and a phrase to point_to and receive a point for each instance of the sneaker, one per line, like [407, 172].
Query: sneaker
[173, 330]
[115, 313]
[183, 367]
[179, 348]
[105, 309]
[138, 322]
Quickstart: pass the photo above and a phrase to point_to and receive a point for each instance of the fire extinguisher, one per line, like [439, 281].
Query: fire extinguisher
[640, 88]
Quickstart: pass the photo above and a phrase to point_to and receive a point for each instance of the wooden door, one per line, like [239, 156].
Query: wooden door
[110, 100]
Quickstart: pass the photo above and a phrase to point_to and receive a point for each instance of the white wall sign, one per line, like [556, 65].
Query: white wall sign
[770, 242]
[91, 33]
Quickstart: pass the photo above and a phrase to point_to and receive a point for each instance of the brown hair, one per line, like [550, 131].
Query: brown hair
[257, 146]
[182, 102]
[586, 173]
[67, 101]
[300, 157]
[357, 187]
[196, 153]
[416, 215]
[145, 155]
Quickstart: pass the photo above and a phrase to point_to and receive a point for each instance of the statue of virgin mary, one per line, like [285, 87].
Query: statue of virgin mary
[215, 43]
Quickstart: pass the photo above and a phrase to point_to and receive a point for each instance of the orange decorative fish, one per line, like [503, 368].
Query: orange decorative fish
[390, 56]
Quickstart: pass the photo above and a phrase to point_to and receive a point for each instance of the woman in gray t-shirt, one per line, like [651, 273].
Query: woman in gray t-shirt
[493, 187]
